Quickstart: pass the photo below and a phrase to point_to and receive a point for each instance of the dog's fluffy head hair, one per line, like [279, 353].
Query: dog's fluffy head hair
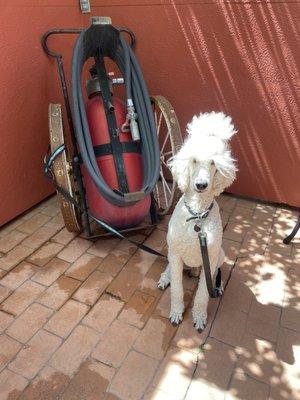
[206, 154]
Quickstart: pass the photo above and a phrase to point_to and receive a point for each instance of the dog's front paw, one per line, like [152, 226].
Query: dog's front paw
[200, 321]
[175, 317]
[163, 282]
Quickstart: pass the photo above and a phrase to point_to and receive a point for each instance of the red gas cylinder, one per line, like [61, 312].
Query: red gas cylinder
[118, 217]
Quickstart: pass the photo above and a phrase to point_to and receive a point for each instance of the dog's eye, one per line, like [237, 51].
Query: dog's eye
[194, 160]
[212, 162]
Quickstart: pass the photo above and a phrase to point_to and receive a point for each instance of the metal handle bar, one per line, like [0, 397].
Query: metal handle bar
[58, 31]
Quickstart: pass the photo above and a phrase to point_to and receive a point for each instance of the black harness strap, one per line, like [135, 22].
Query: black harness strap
[126, 147]
[106, 149]
[116, 146]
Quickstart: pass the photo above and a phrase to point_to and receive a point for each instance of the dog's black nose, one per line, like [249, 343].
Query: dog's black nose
[201, 185]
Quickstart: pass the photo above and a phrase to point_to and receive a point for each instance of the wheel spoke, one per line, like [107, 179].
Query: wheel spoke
[165, 164]
[159, 123]
[168, 153]
[164, 189]
[157, 195]
[165, 141]
[166, 183]
[155, 117]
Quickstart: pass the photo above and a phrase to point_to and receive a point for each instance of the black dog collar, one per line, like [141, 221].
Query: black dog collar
[198, 216]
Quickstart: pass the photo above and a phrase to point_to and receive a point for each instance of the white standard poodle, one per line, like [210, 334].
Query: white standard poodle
[202, 168]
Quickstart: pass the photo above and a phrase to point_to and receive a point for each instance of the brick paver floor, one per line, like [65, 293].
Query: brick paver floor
[83, 320]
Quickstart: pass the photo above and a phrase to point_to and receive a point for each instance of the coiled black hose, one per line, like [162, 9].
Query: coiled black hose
[107, 40]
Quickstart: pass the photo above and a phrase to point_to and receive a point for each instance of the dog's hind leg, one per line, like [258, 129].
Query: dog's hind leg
[165, 278]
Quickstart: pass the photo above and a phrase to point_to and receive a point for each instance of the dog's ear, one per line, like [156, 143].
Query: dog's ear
[226, 172]
[179, 166]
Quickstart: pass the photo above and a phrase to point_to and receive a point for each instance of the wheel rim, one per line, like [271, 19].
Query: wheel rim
[169, 136]
[62, 171]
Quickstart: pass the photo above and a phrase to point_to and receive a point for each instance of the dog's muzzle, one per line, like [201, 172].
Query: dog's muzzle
[201, 186]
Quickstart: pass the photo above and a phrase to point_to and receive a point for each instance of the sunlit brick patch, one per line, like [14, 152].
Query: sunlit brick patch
[84, 319]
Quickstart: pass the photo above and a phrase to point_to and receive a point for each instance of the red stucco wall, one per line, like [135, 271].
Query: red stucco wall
[237, 56]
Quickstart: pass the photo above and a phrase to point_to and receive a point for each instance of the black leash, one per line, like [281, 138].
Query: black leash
[48, 172]
[202, 236]
[213, 291]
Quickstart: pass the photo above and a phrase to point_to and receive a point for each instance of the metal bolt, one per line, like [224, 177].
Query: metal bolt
[85, 6]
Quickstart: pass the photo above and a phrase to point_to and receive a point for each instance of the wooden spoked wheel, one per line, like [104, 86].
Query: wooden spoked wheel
[166, 192]
[62, 170]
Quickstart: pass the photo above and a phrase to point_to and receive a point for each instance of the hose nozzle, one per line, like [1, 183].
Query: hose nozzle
[131, 117]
